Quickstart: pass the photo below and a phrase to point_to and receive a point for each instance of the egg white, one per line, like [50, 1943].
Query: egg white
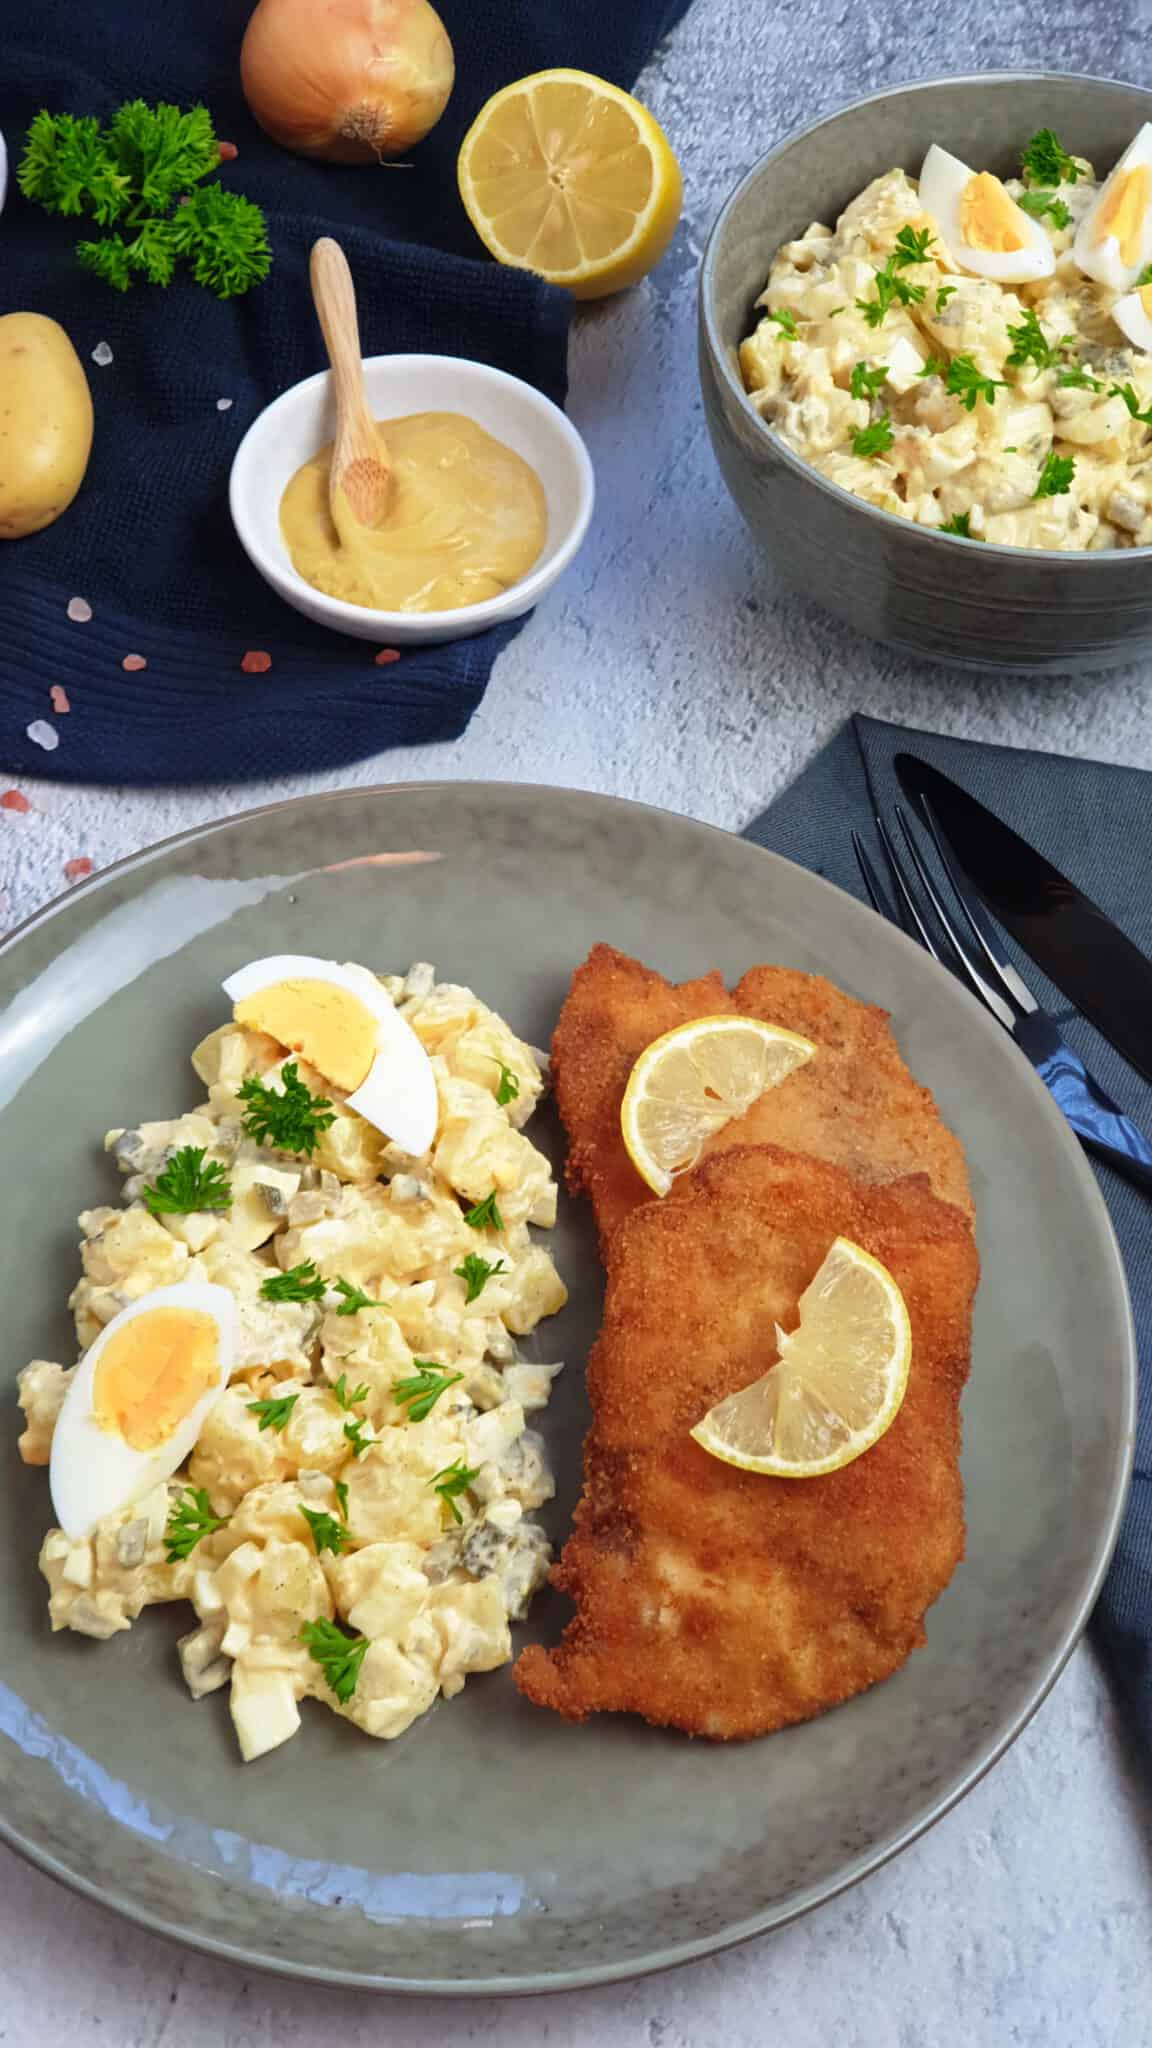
[1133, 321]
[943, 179]
[398, 1093]
[93, 1472]
[1102, 260]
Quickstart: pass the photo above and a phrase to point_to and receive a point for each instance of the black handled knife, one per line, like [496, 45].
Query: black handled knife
[1078, 947]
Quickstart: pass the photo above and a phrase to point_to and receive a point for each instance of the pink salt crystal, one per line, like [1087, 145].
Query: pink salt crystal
[14, 800]
[76, 870]
[256, 662]
[132, 662]
[79, 610]
[59, 696]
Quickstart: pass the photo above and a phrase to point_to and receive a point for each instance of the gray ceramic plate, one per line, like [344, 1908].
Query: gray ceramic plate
[493, 1847]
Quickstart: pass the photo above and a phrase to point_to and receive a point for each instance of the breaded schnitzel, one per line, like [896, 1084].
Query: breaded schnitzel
[728, 1603]
[855, 1104]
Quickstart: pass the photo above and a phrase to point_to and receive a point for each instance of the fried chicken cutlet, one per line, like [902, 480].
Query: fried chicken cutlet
[855, 1104]
[728, 1603]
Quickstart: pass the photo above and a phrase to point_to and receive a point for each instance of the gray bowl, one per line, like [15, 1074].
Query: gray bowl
[968, 603]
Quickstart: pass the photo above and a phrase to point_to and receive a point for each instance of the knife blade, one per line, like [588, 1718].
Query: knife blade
[1076, 944]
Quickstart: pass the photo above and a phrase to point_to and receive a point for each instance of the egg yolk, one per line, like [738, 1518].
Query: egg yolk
[988, 219]
[151, 1374]
[326, 1024]
[1145, 297]
[1122, 210]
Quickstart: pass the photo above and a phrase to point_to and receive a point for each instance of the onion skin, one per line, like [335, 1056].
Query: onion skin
[350, 81]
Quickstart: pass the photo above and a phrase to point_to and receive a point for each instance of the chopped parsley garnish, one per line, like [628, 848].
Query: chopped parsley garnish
[299, 1283]
[1077, 378]
[354, 1299]
[786, 321]
[946, 292]
[188, 1520]
[891, 287]
[327, 1532]
[485, 1215]
[135, 175]
[455, 1478]
[339, 1656]
[187, 1185]
[420, 1392]
[273, 1413]
[865, 382]
[1030, 344]
[1038, 203]
[346, 1400]
[354, 1431]
[1055, 476]
[291, 1118]
[912, 246]
[873, 440]
[1126, 392]
[509, 1087]
[477, 1272]
[961, 523]
[1044, 161]
[964, 380]
[341, 1492]
[1144, 278]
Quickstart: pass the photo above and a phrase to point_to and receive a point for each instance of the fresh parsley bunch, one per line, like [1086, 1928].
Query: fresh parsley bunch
[137, 176]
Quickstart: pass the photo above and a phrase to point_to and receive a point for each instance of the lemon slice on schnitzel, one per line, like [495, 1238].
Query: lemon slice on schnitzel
[839, 1381]
[690, 1083]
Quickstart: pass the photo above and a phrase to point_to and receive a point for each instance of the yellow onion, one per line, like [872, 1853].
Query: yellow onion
[350, 80]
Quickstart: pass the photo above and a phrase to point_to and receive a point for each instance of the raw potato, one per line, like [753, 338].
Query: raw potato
[45, 423]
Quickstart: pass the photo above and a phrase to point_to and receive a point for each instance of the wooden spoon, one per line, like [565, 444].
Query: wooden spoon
[360, 466]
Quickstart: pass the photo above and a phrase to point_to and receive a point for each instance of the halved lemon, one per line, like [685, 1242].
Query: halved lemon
[690, 1083]
[566, 175]
[841, 1377]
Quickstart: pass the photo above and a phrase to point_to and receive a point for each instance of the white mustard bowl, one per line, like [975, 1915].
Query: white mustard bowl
[299, 423]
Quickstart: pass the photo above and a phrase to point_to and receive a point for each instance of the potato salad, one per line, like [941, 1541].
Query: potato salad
[300, 1404]
[973, 354]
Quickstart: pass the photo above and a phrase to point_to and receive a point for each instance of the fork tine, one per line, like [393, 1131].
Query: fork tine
[1002, 971]
[996, 996]
[911, 919]
[877, 895]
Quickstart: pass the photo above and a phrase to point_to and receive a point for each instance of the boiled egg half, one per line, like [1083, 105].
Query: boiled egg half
[138, 1401]
[984, 229]
[346, 1025]
[1114, 239]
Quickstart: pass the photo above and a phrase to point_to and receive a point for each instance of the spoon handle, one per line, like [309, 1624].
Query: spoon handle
[358, 439]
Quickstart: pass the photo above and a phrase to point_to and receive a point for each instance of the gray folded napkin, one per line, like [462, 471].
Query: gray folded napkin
[1095, 822]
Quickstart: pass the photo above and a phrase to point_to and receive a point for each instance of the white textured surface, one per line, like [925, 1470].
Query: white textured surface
[667, 667]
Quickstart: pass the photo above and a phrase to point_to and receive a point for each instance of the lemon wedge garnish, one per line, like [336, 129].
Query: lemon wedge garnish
[564, 174]
[841, 1376]
[690, 1083]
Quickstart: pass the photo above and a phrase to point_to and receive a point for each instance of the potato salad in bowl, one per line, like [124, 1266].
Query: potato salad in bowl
[300, 1404]
[973, 354]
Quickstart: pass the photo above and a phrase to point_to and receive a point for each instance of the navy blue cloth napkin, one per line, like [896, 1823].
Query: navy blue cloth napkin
[1095, 822]
[148, 544]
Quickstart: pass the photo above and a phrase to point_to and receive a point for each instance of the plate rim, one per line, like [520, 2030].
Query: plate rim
[765, 1922]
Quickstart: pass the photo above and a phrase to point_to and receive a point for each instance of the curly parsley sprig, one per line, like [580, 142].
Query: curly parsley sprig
[189, 1519]
[422, 1389]
[339, 1656]
[289, 1118]
[187, 1185]
[1055, 476]
[1044, 161]
[135, 177]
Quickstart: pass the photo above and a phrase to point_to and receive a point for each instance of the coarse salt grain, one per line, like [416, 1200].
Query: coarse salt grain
[102, 354]
[133, 661]
[386, 655]
[256, 662]
[14, 800]
[223, 405]
[79, 610]
[59, 696]
[76, 870]
[43, 735]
